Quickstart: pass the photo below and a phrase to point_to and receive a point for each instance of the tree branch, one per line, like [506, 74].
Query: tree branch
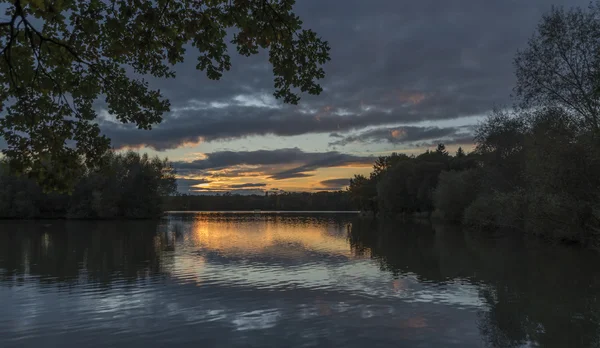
[578, 84]
[38, 57]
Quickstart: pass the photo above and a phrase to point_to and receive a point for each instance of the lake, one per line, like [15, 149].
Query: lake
[289, 280]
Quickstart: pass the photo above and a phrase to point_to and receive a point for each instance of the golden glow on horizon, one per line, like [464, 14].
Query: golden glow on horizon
[225, 179]
[220, 182]
[230, 178]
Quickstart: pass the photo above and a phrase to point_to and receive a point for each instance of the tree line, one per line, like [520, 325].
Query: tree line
[283, 201]
[127, 186]
[535, 171]
[535, 167]
[134, 186]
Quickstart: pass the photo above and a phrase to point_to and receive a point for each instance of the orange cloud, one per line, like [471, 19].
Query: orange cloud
[398, 133]
[192, 143]
[130, 147]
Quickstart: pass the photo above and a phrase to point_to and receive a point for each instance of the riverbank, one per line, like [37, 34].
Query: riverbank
[488, 227]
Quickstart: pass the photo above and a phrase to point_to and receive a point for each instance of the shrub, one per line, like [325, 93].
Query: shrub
[497, 209]
[454, 193]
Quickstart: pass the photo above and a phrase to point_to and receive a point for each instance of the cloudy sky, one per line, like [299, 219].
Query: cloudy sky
[403, 76]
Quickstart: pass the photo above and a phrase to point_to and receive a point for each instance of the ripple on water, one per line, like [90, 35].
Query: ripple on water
[256, 320]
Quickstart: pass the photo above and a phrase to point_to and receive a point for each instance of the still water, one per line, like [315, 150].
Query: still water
[289, 280]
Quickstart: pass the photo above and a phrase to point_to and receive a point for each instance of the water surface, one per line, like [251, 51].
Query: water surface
[289, 280]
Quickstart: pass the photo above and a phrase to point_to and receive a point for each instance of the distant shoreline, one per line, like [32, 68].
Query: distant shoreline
[263, 212]
[184, 212]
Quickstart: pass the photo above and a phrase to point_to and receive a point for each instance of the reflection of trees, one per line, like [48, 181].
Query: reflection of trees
[535, 292]
[72, 251]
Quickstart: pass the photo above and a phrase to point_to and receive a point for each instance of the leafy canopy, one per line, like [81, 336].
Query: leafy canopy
[58, 57]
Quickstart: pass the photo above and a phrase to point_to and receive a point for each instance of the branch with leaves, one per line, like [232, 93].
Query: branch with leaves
[59, 57]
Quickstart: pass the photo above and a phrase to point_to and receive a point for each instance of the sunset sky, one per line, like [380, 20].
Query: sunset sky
[404, 75]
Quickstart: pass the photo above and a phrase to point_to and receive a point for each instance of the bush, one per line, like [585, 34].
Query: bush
[408, 186]
[481, 213]
[563, 218]
[454, 193]
[497, 209]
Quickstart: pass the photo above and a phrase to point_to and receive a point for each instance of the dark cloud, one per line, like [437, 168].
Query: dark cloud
[231, 172]
[402, 135]
[212, 192]
[324, 160]
[222, 159]
[335, 183]
[270, 162]
[393, 62]
[249, 185]
[290, 174]
[462, 140]
[195, 181]
[245, 189]
[209, 125]
[186, 185]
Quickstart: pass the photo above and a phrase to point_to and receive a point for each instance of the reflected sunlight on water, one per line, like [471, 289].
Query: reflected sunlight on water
[240, 280]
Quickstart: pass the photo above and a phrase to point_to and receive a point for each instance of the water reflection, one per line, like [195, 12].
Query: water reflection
[288, 280]
[65, 252]
[532, 293]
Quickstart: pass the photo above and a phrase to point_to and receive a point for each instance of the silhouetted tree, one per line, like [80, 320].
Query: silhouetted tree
[559, 67]
[500, 140]
[122, 186]
[299, 201]
[363, 191]
[456, 190]
[441, 149]
[58, 57]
